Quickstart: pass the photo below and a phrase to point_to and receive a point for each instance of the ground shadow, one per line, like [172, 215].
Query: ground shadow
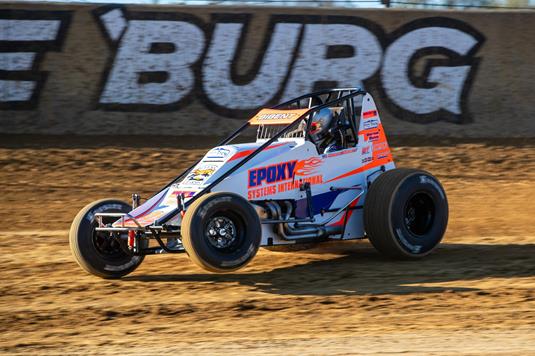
[360, 270]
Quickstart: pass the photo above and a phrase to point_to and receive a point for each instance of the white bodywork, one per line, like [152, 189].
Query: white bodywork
[277, 172]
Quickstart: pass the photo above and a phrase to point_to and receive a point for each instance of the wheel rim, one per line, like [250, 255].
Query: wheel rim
[107, 246]
[419, 213]
[221, 232]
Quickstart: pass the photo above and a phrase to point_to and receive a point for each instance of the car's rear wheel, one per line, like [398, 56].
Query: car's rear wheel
[95, 251]
[221, 232]
[405, 213]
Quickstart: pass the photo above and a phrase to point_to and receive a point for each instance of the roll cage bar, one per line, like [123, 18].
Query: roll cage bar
[334, 96]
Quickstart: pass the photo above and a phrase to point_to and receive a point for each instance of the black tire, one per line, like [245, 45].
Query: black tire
[405, 213]
[94, 251]
[221, 232]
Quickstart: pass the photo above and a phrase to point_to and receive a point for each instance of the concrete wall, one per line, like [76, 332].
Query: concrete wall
[202, 70]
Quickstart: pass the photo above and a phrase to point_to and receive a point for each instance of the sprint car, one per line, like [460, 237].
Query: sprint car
[320, 169]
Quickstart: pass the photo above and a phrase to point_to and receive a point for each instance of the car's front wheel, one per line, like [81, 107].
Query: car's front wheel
[221, 232]
[96, 251]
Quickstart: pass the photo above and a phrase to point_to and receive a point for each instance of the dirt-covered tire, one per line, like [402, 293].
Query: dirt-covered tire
[405, 213]
[221, 232]
[94, 251]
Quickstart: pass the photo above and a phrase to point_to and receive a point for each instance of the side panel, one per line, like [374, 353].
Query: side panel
[375, 155]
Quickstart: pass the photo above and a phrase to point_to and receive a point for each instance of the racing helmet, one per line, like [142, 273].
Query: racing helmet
[321, 122]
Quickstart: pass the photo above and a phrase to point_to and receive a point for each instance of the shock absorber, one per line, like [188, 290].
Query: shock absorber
[131, 240]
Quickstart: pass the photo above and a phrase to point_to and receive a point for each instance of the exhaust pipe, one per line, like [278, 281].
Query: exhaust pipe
[296, 233]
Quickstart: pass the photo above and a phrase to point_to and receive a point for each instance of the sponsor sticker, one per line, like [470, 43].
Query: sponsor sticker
[218, 153]
[282, 177]
[340, 153]
[372, 136]
[276, 117]
[272, 174]
[379, 146]
[370, 124]
[200, 174]
[369, 114]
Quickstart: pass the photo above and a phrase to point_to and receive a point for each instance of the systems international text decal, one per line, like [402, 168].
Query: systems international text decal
[282, 177]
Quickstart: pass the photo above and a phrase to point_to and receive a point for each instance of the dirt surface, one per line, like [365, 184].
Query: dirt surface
[474, 296]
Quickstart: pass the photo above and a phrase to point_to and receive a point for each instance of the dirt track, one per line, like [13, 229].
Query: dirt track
[475, 295]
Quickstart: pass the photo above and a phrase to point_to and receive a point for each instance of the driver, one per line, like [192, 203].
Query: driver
[321, 131]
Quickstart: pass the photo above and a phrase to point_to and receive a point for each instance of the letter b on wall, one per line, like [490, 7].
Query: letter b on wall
[153, 64]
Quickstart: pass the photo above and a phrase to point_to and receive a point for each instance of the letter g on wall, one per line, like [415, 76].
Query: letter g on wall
[447, 48]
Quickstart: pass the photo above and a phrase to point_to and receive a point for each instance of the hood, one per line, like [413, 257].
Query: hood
[215, 163]
[222, 158]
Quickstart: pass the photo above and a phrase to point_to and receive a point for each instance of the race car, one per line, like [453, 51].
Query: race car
[320, 169]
